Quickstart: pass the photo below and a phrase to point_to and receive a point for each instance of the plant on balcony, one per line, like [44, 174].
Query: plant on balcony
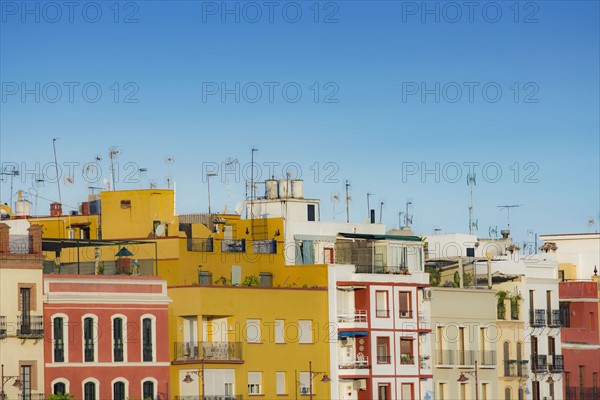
[406, 359]
[468, 279]
[435, 276]
[502, 295]
[61, 396]
[514, 305]
[251, 280]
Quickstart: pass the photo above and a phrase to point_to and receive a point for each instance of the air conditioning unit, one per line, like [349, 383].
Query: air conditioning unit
[550, 359]
[359, 384]
[427, 294]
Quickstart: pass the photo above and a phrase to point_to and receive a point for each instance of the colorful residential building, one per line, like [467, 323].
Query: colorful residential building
[21, 311]
[107, 337]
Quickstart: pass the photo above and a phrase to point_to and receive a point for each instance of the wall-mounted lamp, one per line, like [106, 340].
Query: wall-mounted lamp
[277, 233]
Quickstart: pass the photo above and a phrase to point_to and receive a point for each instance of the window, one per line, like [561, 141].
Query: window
[441, 391]
[254, 382]
[125, 203]
[381, 303]
[304, 382]
[88, 339]
[118, 339]
[253, 330]
[463, 391]
[383, 391]
[279, 329]
[148, 389]
[484, 391]
[147, 339]
[204, 278]
[406, 351]
[407, 391]
[536, 390]
[25, 307]
[268, 246]
[305, 334]
[310, 209]
[404, 305]
[383, 350]
[59, 344]
[507, 394]
[521, 394]
[305, 252]
[119, 391]
[26, 380]
[565, 313]
[59, 388]
[89, 391]
[266, 279]
[280, 378]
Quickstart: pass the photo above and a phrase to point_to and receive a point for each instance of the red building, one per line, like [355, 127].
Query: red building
[579, 302]
[107, 336]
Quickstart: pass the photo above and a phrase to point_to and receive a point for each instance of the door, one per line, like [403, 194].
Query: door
[328, 256]
[25, 297]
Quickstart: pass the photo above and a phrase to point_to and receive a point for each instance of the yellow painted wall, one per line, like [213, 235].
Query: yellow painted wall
[570, 270]
[239, 304]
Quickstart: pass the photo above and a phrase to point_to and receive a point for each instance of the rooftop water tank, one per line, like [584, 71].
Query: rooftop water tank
[297, 189]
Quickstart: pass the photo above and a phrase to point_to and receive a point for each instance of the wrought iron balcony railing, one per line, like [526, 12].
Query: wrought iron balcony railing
[537, 317]
[487, 357]
[233, 246]
[204, 245]
[539, 364]
[557, 365]
[30, 326]
[555, 318]
[31, 396]
[213, 351]
[515, 368]
[445, 357]
[3, 331]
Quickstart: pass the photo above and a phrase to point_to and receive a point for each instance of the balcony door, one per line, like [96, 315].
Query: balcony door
[190, 337]
[25, 300]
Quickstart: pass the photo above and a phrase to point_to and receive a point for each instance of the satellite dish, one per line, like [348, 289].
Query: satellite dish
[239, 207]
[160, 230]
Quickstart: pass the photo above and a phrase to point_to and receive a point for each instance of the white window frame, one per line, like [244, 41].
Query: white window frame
[255, 376]
[61, 380]
[95, 337]
[304, 381]
[120, 379]
[280, 386]
[112, 340]
[66, 340]
[153, 325]
[96, 382]
[302, 335]
[279, 327]
[253, 322]
[146, 379]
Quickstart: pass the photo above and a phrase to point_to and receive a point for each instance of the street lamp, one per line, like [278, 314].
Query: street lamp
[311, 375]
[462, 378]
[188, 376]
[208, 176]
[18, 384]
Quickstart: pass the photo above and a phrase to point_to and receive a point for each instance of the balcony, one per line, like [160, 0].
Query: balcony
[405, 314]
[487, 358]
[537, 318]
[466, 357]
[539, 364]
[424, 321]
[210, 351]
[30, 326]
[554, 318]
[360, 362]
[384, 359]
[380, 269]
[204, 245]
[581, 393]
[557, 365]
[407, 359]
[264, 246]
[31, 396]
[359, 316]
[382, 313]
[445, 357]
[3, 331]
[515, 369]
[233, 246]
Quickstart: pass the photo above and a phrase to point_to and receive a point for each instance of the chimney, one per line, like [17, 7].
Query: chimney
[35, 239]
[55, 209]
[505, 233]
[4, 239]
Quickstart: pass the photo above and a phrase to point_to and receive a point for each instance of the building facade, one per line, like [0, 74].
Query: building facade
[107, 337]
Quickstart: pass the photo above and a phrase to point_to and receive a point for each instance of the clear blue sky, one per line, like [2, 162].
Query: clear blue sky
[369, 60]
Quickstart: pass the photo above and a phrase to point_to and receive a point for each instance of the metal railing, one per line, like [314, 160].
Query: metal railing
[204, 245]
[233, 246]
[382, 313]
[466, 357]
[356, 316]
[582, 393]
[515, 368]
[31, 396]
[405, 314]
[407, 359]
[555, 318]
[487, 357]
[214, 351]
[264, 246]
[557, 365]
[445, 357]
[3, 331]
[539, 364]
[537, 317]
[384, 359]
[30, 326]
[380, 269]
[360, 362]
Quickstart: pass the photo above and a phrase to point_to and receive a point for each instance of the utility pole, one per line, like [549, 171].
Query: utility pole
[56, 168]
[347, 202]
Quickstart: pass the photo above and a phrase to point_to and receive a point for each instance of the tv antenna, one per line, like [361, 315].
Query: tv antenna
[591, 222]
[369, 194]
[407, 217]
[348, 198]
[230, 166]
[472, 223]
[252, 151]
[508, 207]
[140, 172]
[380, 211]
[56, 169]
[169, 160]
[334, 197]
[12, 173]
[112, 153]
[400, 219]
[493, 231]
[39, 181]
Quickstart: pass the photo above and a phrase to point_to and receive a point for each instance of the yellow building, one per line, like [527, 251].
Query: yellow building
[254, 341]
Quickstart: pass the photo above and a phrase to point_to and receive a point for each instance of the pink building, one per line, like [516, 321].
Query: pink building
[107, 336]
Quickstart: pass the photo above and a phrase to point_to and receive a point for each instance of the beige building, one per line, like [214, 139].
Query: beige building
[464, 328]
[21, 309]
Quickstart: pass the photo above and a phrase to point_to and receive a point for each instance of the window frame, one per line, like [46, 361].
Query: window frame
[152, 319]
[65, 343]
[123, 333]
[382, 313]
[94, 338]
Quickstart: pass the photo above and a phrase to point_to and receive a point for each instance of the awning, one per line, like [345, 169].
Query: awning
[350, 288]
[352, 334]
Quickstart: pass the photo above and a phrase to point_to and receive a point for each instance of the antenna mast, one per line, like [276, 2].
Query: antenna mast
[508, 207]
[252, 183]
[111, 155]
[472, 223]
[56, 168]
[347, 202]
[169, 160]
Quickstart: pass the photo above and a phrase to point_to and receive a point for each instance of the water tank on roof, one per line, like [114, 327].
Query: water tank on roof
[284, 189]
[271, 189]
[297, 188]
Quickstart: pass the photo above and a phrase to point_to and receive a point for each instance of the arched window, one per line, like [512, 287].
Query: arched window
[118, 339]
[148, 390]
[507, 394]
[59, 388]
[88, 339]
[59, 343]
[147, 335]
[520, 371]
[506, 359]
[521, 394]
[119, 391]
[89, 391]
